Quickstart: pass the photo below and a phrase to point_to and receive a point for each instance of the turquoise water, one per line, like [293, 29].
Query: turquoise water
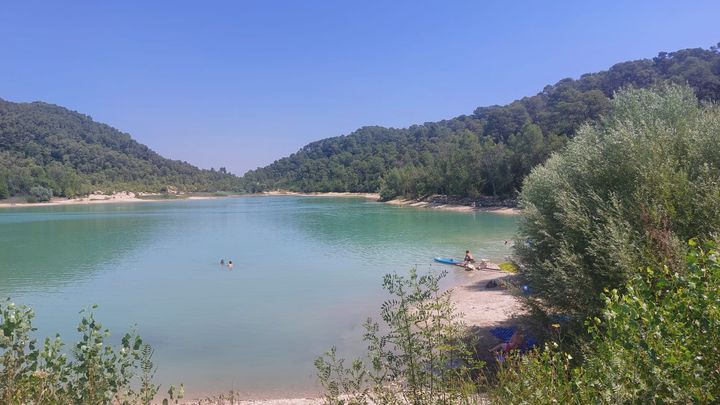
[307, 272]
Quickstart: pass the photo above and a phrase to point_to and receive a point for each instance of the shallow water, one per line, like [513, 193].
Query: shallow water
[307, 272]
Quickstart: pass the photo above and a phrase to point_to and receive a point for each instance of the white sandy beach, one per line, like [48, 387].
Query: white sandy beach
[128, 197]
[370, 196]
[405, 202]
[453, 207]
[100, 198]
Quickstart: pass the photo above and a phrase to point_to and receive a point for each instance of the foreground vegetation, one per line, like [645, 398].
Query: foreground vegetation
[93, 373]
[47, 150]
[657, 342]
[420, 354]
[488, 152]
[627, 193]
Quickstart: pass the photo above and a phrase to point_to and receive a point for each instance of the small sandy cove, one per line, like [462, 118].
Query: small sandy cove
[481, 309]
[100, 198]
[420, 203]
[370, 196]
[127, 197]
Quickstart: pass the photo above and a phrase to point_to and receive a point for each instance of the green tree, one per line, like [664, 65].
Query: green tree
[40, 194]
[657, 342]
[623, 195]
[4, 191]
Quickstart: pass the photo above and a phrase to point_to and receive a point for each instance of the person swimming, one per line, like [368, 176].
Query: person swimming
[222, 262]
[230, 264]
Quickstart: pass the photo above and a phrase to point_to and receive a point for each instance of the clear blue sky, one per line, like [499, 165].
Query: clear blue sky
[242, 83]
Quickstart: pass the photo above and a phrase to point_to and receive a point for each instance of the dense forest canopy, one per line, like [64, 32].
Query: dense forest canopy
[50, 147]
[486, 153]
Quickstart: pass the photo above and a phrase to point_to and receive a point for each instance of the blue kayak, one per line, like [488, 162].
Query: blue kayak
[447, 260]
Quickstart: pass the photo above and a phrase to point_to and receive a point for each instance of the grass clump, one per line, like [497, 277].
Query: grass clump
[508, 267]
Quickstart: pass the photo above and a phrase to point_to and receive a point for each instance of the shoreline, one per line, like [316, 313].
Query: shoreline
[120, 197]
[130, 197]
[479, 307]
[454, 207]
[369, 196]
[435, 202]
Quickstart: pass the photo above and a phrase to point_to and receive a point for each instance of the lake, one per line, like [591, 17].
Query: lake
[307, 272]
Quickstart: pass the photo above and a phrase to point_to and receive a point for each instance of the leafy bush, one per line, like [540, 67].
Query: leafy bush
[623, 195]
[95, 373]
[659, 342]
[4, 192]
[40, 194]
[420, 355]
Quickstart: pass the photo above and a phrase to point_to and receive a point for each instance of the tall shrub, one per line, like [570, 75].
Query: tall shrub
[659, 342]
[90, 373]
[623, 195]
[40, 194]
[4, 190]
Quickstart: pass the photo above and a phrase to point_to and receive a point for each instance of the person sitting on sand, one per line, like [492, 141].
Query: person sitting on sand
[469, 257]
[516, 340]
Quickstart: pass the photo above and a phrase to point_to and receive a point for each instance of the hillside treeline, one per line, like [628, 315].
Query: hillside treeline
[50, 147]
[486, 153]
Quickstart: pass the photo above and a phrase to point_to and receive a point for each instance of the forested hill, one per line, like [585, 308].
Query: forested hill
[486, 153]
[52, 147]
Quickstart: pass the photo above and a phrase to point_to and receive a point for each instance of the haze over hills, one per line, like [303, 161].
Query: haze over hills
[50, 146]
[488, 152]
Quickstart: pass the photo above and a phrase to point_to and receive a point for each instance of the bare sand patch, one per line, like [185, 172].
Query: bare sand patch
[100, 198]
[483, 307]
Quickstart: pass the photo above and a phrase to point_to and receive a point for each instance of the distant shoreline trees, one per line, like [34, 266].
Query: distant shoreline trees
[487, 153]
[43, 145]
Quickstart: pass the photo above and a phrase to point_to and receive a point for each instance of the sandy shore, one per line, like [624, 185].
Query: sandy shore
[371, 196]
[454, 207]
[406, 202]
[483, 307]
[128, 197]
[286, 401]
[121, 197]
